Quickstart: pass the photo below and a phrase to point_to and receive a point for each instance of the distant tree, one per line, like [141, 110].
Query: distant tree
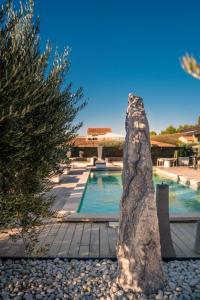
[37, 111]
[153, 133]
[183, 127]
[185, 150]
[169, 130]
[198, 120]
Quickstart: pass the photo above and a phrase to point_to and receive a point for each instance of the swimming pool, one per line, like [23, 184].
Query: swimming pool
[104, 189]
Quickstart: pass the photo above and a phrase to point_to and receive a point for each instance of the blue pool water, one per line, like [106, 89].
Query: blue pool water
[104, 189]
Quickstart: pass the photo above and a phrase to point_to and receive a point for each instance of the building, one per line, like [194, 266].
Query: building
[96, 136]
[98, 131]
[190, 136]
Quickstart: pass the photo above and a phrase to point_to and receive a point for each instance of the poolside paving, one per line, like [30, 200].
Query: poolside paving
[94, 240]
[65, 187]
[185, 175]
[186, 171]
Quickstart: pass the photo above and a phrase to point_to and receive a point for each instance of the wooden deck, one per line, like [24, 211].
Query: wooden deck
[80, 240]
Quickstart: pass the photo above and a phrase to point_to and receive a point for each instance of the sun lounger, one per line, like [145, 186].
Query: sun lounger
[166, 162]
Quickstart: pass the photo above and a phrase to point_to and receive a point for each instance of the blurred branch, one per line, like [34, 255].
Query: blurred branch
[190, 66]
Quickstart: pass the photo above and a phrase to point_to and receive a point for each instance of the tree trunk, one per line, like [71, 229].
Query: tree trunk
[138, 251]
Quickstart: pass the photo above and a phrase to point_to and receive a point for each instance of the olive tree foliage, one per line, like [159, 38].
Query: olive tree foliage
[37, 112]
[191, 66]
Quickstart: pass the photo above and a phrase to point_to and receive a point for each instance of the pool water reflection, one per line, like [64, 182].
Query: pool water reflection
[104, 189]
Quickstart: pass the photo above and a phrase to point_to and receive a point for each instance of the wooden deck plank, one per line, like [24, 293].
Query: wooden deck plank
[75, 244]
[183, 243]
[188, 238]
[112, 239]
[15, 249]
[190, 227]
[94, 241]
[4, 240]
[49, 240]
[177, 247]
[179, 240]
[85, 241]
[54, 229]
[84, 251]
[178, 251]
[64, 248]
[186, 234]
[44, 231]
[53, 250]
[5, 249]
[104, 249]
[42, 236]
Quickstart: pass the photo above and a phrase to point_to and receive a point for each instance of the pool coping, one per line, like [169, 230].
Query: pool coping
[70, 212]
[74, 200]
[92, 217]
[181, 179]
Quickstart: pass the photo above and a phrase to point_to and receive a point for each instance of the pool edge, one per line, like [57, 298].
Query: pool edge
[92, 217]
[73, 204]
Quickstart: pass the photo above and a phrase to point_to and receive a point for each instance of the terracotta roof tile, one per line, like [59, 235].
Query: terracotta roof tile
[98, 131]
[160, 144]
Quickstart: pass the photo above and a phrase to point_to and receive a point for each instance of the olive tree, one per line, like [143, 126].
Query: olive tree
[37, 112]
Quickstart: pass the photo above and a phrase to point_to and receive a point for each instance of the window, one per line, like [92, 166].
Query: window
[92, 139]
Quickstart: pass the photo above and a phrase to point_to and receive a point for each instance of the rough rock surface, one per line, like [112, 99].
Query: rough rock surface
[89, 280]
[138, 250]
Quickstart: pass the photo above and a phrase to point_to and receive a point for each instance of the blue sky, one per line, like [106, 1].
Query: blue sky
[128, 46]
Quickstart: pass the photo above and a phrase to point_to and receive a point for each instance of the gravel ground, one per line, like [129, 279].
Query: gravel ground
[88, 280]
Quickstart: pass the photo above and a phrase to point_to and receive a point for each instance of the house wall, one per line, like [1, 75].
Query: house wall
[156, 152]
[92, 151]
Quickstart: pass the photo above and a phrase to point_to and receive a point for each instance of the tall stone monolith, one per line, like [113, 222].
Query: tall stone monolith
[138, 249]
